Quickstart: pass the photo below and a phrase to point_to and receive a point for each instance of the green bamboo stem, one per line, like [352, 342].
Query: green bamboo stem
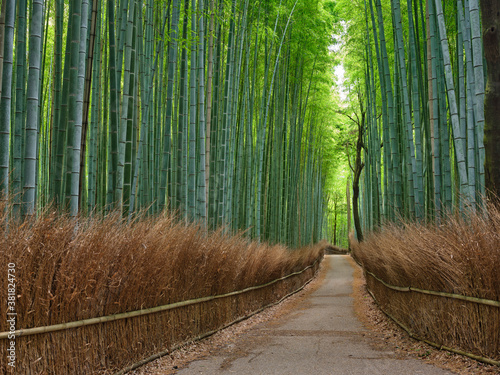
[479, 87]
[414, 203]
[459, 139]
[166, 151]
[201, 205]
[193, 100]
[19, 129]
[144, 126]
[395, 155]
[434, 114]
[5, 113]
[33, 117]
[471, 154]
[3, 11]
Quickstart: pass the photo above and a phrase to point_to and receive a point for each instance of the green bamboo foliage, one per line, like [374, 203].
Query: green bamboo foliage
[212, 116]
[421, 110]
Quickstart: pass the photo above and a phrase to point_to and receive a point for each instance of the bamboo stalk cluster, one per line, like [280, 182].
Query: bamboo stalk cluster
[202, 107]
[424, 93]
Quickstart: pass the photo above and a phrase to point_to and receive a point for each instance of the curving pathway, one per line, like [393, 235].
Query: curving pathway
[321, 335]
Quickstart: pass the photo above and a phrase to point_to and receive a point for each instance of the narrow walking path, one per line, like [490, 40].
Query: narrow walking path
[321, 335]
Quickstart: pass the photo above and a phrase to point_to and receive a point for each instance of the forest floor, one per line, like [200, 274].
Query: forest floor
[331, 327]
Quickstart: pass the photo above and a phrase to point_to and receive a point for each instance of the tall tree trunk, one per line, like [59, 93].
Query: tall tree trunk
[348, 201]
[358, 167]
[490, 12]
[335, 221]
[355, 193]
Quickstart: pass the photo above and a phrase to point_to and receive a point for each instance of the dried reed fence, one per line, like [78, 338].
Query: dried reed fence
[106, 267]
[440, 283]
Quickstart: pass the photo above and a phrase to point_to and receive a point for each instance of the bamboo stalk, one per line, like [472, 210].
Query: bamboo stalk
[19, 141]
[32, 124]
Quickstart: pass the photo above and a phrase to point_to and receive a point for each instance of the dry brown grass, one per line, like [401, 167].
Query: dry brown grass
[460, 256]
[106, 266]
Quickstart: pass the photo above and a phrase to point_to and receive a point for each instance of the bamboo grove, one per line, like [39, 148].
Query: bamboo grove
[206, 108]
[421, 97]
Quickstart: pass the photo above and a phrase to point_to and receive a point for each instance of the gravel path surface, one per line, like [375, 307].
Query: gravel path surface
[320, 335]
